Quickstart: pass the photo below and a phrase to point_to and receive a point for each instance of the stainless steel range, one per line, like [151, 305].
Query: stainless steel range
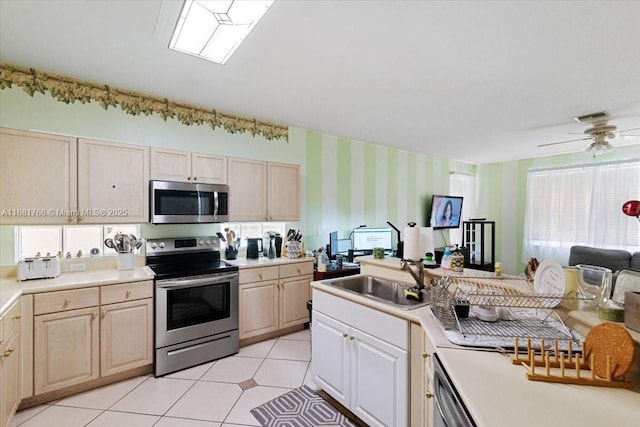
[196, 302]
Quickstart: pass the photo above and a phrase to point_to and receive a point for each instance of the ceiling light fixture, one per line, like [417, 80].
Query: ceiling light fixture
[213, 29]
[599, 146]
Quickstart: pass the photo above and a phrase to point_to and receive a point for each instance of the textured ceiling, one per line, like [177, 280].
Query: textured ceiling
[474, 81]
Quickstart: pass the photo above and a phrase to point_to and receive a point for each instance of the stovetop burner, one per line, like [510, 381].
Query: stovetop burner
[186, 256]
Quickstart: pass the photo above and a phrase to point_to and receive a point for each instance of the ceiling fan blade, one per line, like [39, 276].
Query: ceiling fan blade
[564, 142]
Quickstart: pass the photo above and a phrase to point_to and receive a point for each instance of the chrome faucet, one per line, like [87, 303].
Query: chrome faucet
[417, 275]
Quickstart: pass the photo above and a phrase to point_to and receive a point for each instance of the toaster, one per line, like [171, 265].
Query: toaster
[38, 268]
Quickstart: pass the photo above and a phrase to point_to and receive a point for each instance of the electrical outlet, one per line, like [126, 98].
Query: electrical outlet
[78, 266]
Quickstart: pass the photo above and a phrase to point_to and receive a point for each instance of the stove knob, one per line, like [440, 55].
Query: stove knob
[201, 242]
[153, 245]
[207, 242]
[161, 245]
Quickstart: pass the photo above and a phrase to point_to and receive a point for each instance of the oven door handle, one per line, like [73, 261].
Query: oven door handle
[200, 281]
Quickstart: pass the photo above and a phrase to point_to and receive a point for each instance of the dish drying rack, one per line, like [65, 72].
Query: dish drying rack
[533, 315]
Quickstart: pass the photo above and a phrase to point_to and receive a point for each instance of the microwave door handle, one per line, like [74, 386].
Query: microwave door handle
[201, 281]
[215, 205]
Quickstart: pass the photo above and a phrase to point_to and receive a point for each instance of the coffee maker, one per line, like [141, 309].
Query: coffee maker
[254, 247]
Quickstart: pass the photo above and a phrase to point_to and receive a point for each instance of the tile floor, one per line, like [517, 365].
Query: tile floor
[209, 395]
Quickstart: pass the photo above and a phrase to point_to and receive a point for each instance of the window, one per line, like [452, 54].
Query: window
[464, 185]
[580, 205]
[72, 240]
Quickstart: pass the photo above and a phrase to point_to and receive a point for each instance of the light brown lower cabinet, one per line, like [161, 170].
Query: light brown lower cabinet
[421, 382]
[65, 349]
[10, 363]
[126, 336]
[75, 346]
[274, 297]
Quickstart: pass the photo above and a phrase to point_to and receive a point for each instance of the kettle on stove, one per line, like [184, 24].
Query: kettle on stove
[254, 247]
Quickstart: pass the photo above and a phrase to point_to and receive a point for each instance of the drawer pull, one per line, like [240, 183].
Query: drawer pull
[17, 316]
[260, 276]
[127, 294]
[8, 352]
[298, 270]
[429, 395]
[344, 334]
[67, 302]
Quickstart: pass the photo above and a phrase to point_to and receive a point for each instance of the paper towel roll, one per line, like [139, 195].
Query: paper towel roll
[412, 244]
[426, 241]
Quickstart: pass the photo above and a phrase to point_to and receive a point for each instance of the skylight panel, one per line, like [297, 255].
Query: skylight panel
[213, 29]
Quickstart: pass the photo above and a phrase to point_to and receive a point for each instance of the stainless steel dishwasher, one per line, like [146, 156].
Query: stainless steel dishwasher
[449, 409]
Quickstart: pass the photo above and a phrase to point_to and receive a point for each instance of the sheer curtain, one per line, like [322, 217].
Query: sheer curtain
[580, 206]
[464, 185]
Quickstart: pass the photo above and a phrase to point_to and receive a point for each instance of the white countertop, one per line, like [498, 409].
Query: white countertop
[11, 288]
[497, 393]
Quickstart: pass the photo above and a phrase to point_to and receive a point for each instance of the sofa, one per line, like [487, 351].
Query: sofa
[615, 260]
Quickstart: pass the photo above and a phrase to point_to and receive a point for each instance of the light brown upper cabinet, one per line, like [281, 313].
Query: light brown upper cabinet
[184, 166]
[263, 191]
[38, 176]
[113, 182]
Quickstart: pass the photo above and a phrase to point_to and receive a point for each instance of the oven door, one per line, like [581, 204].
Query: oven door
[195, 307]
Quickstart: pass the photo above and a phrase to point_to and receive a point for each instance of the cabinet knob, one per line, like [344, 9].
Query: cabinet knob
[429, 395]
[298, 270]
[103, 315]
[344, 334]
[425, 355]
[17, 316]
[127, 293]
[66, 302]
[260, 276]
[188, 178]
[351, 337]
[8, 352]
[195, 178]
[70, 219]
[80, 218]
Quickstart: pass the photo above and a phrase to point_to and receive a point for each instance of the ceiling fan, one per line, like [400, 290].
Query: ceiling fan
[599, 133]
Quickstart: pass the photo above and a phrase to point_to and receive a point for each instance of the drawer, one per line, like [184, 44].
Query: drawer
[51, 302]
[126, 292]
[248, 275]
[11, 320]
[296, 269]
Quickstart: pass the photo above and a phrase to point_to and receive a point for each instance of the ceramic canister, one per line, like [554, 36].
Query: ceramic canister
[457, 262]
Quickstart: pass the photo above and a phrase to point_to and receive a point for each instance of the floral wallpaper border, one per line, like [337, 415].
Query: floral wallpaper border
[69, 90]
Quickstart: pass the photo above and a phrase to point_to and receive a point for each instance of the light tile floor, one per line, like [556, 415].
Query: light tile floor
[208, 395]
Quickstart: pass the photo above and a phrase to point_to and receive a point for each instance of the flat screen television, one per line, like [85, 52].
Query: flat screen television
[446, 212]
[365, 239]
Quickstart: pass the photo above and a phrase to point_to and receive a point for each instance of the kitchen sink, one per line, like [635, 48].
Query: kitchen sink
[390, 292]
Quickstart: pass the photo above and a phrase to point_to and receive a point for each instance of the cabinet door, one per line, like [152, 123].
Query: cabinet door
[65, 349]
[247, 190]
[421, 378]
[209, 169]
[294, 294]
[170, 165]
[113, 182]
[379, 389]
[283, 192]
[10, 394]
[38, 172]
[258, 308]
[330, 357]
[126, 336]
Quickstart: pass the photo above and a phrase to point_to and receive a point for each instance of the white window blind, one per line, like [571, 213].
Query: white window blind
[580, 205]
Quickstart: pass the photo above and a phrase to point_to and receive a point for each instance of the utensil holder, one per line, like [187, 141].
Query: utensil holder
[125, 261]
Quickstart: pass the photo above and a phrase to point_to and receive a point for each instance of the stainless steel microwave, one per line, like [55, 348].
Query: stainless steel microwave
[188, 203]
